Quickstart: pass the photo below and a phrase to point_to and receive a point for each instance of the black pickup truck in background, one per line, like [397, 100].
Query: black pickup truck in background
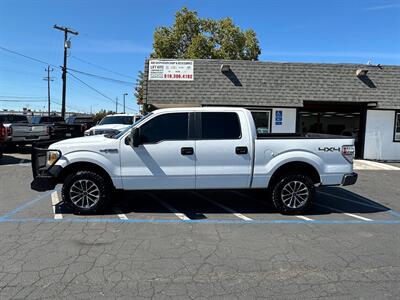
[84, 121]
[61, 129]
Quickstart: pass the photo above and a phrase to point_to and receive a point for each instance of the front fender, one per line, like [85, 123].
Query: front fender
[110, 162]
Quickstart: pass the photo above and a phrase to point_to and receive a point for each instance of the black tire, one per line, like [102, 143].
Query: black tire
[300, 201]
[102, 193]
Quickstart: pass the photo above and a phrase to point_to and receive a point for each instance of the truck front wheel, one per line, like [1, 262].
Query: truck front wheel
[86, 192]
[293, 193]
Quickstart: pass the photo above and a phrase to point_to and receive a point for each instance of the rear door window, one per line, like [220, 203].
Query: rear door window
[220, 126]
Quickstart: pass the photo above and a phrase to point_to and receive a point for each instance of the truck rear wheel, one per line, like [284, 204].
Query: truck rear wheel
[86, 192]
[293, 193]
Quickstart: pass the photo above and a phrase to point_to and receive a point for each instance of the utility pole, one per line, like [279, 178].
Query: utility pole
[125, 94]
[67, 44]
[48, 78]
[116, 105]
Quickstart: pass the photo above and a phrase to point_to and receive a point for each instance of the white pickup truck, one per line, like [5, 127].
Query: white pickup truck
[194, 148]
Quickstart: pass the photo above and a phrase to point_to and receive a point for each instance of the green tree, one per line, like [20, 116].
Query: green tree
[193, 37]
[101, 114]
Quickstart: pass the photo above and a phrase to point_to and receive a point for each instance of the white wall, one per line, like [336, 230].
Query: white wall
[288, 121]
[379, 143]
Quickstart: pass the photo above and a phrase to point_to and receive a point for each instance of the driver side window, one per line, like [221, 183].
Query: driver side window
[167, 127]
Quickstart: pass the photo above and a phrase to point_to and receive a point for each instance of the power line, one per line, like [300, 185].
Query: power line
[28, 57]
[70, 69]
[92, 88]
[18, 100]
[102, 77]
[98, 92]
[74, 76]
[23, 97]
[100, 67]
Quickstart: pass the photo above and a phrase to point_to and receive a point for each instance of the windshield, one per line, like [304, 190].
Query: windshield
[79, 120]
[130, 127]
[39, 120]
[126, 120]
[13, 119]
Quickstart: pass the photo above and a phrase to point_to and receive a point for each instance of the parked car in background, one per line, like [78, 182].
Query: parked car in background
[3, 134]
[21, 132]
[113, 124]
[194, 148]
[59, 128]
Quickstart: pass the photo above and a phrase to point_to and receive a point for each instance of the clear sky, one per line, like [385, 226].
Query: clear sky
[117, 35]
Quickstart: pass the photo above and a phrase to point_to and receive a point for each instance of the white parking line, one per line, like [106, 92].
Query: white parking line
[347, 214]
[119, 213]
[54, 201]
[180, 215]
[24, 163]
[239, 215]
[266, 204]
[304, 218]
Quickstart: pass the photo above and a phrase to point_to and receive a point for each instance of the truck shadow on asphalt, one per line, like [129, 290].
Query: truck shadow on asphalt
[12, 155]
[197, 205]
[12, 160]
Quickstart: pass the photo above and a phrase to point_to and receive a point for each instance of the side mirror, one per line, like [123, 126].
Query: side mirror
[135, 137]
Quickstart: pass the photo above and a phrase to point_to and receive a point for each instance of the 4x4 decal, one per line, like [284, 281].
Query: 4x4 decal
[329, 149]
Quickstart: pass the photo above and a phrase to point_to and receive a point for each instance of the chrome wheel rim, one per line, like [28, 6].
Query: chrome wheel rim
[294, 194]
[84, 193]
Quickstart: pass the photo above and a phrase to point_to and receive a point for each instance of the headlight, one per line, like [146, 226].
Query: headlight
[52, 157]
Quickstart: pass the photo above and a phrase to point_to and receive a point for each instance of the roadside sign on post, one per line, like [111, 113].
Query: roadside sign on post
[278, 117]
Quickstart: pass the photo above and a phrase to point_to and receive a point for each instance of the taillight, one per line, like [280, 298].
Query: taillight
[2, 132]
[83, 127]
[9, 131]
[348, 152]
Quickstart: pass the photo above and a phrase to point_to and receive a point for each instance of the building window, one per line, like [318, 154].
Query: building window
[262, 120]
[397, 127]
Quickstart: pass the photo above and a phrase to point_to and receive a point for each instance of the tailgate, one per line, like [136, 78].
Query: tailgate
[26, 130]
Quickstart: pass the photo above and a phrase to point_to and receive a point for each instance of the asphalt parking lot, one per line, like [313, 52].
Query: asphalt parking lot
[208, 244]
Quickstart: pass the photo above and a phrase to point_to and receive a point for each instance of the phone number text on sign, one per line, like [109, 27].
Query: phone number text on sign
[171, 70]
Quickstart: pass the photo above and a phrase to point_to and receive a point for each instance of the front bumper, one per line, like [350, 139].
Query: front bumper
[349, 179]
[45, 177]
[43, 183]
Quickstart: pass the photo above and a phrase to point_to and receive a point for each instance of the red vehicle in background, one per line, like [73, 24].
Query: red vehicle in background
[3, 135]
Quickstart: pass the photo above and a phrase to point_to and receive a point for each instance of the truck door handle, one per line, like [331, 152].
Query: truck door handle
[187, 151]
[241, 150]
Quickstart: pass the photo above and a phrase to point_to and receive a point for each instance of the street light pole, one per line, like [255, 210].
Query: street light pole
[116, 105]
[125, 94]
